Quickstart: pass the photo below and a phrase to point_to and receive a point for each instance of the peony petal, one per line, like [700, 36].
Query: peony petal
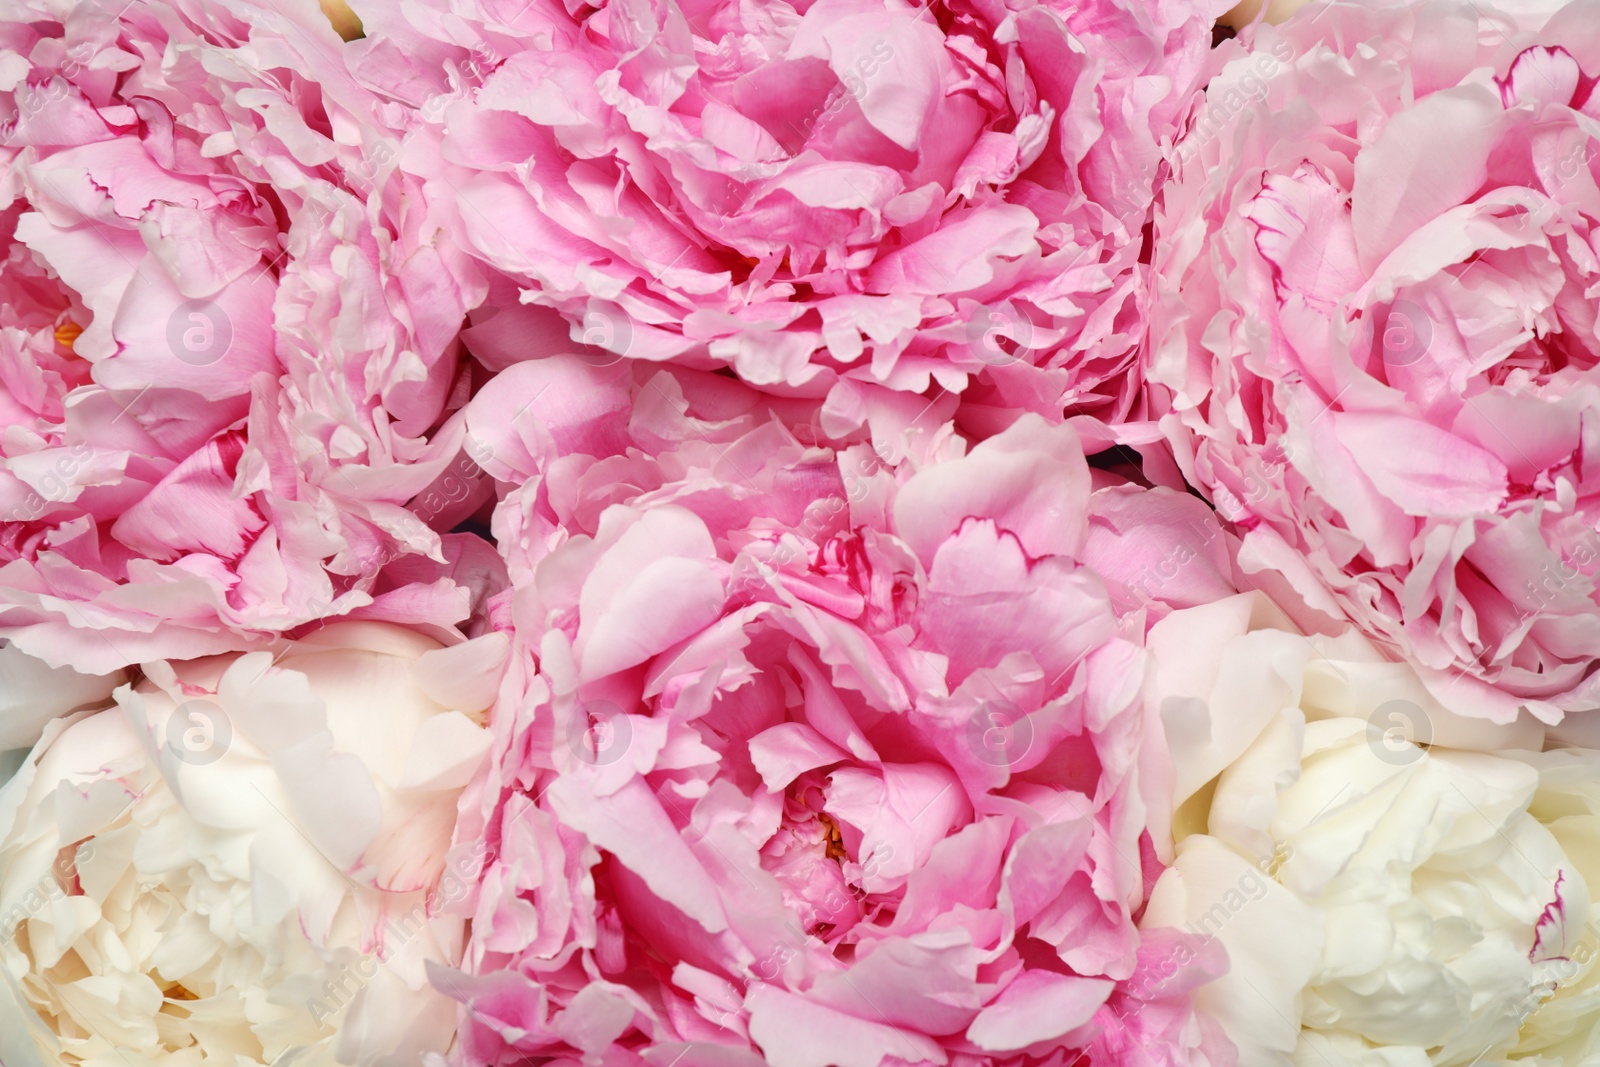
[1036, 1007]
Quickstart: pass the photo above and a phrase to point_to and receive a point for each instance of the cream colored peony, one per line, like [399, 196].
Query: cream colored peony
[1426, 895]
[244, 860]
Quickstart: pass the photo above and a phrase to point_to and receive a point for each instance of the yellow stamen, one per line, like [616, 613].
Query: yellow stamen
[67, 333]
[835, 846]
[345, 22]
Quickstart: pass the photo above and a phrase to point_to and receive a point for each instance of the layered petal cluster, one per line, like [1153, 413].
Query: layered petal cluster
[815, 195]
[806, 757]
[244, 859]
[1396, 883]
[1376, 332]
[228, 350]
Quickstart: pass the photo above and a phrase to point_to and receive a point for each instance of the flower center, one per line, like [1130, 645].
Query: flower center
[833, 844]
[67, 333]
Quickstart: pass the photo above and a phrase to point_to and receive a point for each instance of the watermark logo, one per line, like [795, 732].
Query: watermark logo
[198, 733]
[199, 333]
[999, 733]
[1396, 730]
[1407, 334]
[999, 334]
[601, 734]
[607, 333]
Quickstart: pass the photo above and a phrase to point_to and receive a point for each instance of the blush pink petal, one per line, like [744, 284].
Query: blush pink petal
[1037, 1007]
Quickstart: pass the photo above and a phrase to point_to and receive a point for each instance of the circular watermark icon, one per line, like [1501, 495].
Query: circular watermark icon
[199, 332]
[198, 732]
[999, 733]
[1407, 334]
[607, 334]
[999, 334]
[1397, 730]
[600, 734]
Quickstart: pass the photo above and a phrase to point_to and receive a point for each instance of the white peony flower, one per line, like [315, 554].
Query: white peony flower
[245, 859]
[1396, 885]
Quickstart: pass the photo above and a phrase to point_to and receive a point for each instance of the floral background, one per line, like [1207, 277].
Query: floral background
[822, 533]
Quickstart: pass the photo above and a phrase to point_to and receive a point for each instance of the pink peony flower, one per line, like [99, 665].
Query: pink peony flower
[227, 354]
[804, 757]
[821, 196]
[1376, 331]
